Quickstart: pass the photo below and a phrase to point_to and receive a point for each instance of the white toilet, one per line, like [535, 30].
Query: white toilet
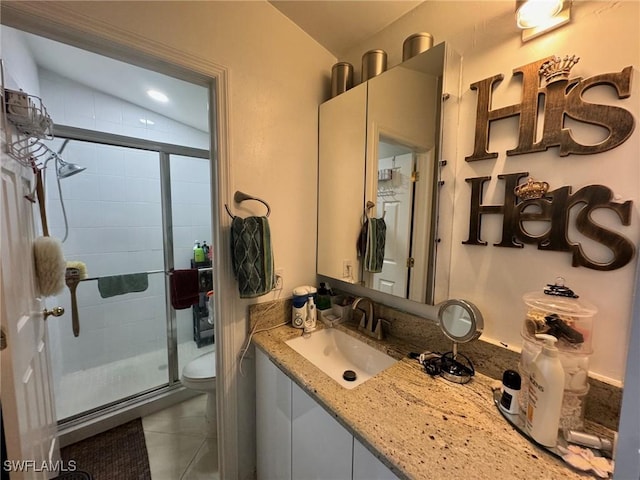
[200, 375]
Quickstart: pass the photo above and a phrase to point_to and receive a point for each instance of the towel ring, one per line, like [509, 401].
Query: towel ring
[240, 197]
[368, 207]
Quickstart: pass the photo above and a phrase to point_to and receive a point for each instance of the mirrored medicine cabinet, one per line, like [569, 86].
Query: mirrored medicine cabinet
[381, 146]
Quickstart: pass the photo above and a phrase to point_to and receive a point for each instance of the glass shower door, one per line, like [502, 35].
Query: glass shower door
[191, 218]
[114, 214]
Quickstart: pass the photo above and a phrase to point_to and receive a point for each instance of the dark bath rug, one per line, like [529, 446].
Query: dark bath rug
[77, 475]
[117, 454]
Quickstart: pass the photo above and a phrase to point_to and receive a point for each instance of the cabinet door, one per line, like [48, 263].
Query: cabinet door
[322, 448]
[273, 420]
[341, 170]
[367, 467]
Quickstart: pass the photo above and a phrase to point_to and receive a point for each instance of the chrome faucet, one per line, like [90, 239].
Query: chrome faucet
[368, 322]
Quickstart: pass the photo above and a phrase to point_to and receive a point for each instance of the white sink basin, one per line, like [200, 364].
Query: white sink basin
[334, 352]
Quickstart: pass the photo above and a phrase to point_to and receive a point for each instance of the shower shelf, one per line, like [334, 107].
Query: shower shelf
[203, 333]
[31, 124]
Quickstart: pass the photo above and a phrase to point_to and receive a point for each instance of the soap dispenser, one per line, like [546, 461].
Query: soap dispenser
[546, 389]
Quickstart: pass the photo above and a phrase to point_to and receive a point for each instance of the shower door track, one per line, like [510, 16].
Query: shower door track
[93, 136]
[165, 150]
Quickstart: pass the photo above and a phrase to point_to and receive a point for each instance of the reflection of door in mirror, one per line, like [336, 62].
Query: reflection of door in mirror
[405, 189]
[403, 118]
[394, 202]
[424, 216]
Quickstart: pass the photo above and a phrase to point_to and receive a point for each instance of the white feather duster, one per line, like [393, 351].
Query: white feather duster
[50, 265]
[47, 252]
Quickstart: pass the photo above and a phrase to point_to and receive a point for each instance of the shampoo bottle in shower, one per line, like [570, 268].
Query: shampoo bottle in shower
[198, 252]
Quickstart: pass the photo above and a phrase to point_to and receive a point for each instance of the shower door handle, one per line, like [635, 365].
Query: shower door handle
[55, 311]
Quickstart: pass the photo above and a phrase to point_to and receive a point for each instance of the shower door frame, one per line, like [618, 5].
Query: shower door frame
[164, 151]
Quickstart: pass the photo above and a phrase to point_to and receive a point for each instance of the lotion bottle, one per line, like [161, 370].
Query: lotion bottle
[546, 390]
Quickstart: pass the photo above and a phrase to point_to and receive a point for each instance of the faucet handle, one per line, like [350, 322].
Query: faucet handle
[379, 331]
[363, 320]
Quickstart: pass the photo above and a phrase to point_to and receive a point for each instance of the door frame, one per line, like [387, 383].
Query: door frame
[59, 23]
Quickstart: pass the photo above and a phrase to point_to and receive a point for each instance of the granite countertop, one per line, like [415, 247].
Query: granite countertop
[420, 427]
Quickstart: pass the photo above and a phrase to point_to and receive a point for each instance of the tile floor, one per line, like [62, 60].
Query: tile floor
[180, 444]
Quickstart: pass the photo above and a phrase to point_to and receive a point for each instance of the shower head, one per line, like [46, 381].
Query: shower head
[66, 169]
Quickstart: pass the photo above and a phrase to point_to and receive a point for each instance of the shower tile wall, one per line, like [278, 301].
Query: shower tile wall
[115, 225]
[74, 104]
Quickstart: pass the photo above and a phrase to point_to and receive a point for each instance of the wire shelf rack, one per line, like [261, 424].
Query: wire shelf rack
[31, 123]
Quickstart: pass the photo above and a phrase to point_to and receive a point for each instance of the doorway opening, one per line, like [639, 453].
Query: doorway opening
[142, 198]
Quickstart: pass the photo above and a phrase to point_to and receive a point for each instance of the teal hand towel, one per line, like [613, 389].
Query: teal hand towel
[252, 256]
[375, 244]
[122, 284]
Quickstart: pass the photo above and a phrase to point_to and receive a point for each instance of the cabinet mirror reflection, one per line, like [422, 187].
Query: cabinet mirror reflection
[380, 146]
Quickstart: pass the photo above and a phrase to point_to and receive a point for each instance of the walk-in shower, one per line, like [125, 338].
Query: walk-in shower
[136, 209]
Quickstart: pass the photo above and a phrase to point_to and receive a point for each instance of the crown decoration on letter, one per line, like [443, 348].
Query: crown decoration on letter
[531, 190]
[557, 69]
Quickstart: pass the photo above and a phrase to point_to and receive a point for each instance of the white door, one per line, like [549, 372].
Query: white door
[26, 391]
[421, 235]
[395, 199]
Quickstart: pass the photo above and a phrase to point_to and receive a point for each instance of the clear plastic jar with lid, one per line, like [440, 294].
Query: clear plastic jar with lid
[569, 319]
[557, 311]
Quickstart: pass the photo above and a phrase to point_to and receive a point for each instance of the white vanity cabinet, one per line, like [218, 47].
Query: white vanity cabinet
[273, 420]
[322, 448]
[297, 439]
[367, 467]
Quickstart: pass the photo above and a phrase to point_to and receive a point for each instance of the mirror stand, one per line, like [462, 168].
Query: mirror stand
[461, 322]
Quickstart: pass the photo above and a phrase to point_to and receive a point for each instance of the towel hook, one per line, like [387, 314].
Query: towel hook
[240, 197]
[368, 208]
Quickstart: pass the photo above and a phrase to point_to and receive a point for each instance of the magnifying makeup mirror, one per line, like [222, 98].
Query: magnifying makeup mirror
[461, 322]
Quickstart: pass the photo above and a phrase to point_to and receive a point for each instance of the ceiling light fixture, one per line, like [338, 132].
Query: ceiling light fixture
[158, 96]
[146, 121]
[536, 17]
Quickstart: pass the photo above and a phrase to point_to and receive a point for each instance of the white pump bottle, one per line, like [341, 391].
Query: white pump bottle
[310, 321]
[546, 390]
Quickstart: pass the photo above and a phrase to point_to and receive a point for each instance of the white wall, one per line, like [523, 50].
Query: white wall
[496, 278]
[20, 69]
